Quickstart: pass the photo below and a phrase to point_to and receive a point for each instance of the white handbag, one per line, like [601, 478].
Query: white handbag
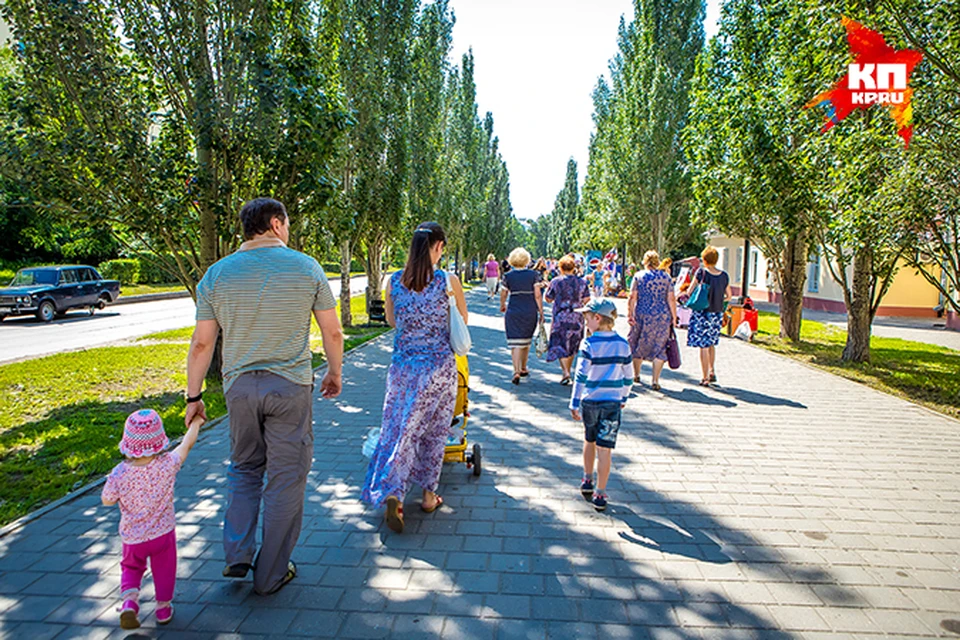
[459, 334]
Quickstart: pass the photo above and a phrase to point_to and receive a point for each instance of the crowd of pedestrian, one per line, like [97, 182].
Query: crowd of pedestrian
[268, 384]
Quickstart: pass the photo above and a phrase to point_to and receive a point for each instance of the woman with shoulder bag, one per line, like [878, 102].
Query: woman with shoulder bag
[421, 382]
[705, 324]
[652, 316]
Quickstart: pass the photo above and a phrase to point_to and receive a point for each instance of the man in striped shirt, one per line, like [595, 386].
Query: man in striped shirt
[262, 298]
[601, 385]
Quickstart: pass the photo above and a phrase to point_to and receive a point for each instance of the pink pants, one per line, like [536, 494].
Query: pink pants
[162, 553]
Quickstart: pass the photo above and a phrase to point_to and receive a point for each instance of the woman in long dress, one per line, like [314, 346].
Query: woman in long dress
[567, 292]
[421, 382]
[522, 315]
[653, 310]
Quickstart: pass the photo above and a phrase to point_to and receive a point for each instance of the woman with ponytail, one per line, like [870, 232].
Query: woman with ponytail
[421, 382]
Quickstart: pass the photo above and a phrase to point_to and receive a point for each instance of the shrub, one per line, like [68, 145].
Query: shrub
[334, 267]
[6, 275]
[126, 270]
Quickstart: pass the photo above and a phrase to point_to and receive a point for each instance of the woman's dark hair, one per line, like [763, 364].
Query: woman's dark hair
[418, 272]
[257, 215]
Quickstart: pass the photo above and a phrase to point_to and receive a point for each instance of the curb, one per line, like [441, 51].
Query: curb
[149, 297]
[87, 488]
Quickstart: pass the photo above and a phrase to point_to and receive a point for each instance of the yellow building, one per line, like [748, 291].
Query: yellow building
[909, 295]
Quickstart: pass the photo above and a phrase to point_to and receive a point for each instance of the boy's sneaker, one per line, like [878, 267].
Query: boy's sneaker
[129, 615]
[165, 614]
[586, 488]
[600, 500]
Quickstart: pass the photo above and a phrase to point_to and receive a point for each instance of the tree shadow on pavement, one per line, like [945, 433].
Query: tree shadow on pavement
[754, 397]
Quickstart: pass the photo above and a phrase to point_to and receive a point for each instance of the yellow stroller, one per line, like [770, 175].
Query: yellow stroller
[457, 445]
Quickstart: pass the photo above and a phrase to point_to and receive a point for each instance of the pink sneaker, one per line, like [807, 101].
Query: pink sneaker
[129, 613]
[164, 614]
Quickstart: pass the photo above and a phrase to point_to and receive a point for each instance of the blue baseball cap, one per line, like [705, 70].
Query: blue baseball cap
[600, 306]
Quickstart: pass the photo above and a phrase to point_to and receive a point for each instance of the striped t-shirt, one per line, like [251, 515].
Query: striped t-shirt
[604, 371]
[262, 298]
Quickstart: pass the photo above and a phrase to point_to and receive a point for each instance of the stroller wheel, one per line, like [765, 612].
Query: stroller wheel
[476, 460]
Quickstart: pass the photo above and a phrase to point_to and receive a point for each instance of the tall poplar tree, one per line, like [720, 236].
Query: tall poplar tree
[637, 158]
[565, 216]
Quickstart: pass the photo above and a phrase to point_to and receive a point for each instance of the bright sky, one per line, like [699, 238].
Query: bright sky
[537, 63]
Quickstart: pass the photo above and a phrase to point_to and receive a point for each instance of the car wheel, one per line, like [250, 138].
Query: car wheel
[103, 302]
[46, 311]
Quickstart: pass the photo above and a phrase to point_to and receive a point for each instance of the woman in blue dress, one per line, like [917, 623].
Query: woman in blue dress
[421, 382]
[522, 306]
[704, 331]
[567, 292]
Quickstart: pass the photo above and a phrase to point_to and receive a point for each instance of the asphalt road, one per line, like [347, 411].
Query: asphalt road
[26, 337]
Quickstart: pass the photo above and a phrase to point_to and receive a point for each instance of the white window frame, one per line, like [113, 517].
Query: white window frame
[813, 274]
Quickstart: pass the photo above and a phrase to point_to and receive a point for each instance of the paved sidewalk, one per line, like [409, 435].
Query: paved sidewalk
[787, 503]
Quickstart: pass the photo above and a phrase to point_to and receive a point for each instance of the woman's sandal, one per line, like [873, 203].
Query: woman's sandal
[524, 373]
[655, 386]
[705, 382]
[516, 378]
[394, 514]
[436, 505]
[565, 381]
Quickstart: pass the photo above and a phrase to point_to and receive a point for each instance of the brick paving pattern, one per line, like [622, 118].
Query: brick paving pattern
[787, 503]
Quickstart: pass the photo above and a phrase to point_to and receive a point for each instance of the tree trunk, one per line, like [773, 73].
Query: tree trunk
[346, 317]
[215, 371]
[792, 277]
[859, 315]
[374, 264]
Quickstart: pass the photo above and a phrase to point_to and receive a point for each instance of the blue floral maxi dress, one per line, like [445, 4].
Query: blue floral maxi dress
[421, 391]
[651, 317]
[566, 328]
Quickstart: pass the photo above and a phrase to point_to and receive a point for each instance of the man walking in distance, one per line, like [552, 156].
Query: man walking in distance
[262, 297]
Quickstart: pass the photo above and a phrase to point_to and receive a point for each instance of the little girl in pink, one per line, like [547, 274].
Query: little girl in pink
[143, 485]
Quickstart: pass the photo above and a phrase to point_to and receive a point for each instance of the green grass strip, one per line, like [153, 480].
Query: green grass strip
[61, 416]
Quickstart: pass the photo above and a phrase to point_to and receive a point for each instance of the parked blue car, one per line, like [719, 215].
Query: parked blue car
[47, 292]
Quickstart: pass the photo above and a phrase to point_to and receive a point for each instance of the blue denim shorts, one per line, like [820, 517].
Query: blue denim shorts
[601, 422]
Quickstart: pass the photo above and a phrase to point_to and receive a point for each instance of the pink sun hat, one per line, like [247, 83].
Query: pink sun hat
[143, 435]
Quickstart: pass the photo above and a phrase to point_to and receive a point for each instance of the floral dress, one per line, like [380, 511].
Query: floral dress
[651, 317]
[421, 391]
[566, 329]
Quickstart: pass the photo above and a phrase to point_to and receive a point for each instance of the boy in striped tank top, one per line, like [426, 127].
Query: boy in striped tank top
[601, 385]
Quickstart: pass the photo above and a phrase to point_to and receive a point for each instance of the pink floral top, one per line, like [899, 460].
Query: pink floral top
[146, 497]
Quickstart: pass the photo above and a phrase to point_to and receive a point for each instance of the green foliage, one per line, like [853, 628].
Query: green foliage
[126, 270]
[160, 119]
[334, 267]
[562, 222]
[636, 185]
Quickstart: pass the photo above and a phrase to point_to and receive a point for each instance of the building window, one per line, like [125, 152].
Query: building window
[738, 276]
[813, 274]
[726, 259]
[754, 265]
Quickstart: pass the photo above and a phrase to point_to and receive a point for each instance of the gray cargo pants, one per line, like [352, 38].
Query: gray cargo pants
[271, 430]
